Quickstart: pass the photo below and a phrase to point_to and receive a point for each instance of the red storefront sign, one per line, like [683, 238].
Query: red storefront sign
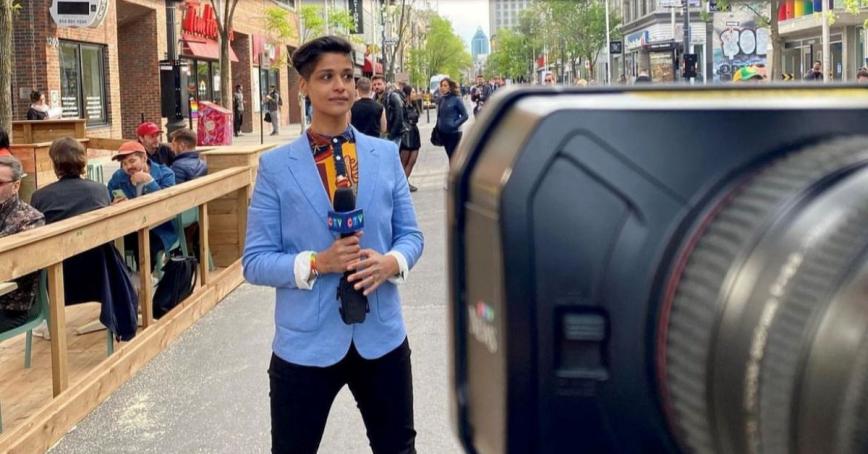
[201, 21]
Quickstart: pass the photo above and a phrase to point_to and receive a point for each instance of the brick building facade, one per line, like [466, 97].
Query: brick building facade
[110, 74]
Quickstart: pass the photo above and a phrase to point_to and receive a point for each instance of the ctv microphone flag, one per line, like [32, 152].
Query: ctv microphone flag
[347, 221]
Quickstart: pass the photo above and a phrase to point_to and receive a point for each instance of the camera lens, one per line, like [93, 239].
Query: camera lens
[761, 344]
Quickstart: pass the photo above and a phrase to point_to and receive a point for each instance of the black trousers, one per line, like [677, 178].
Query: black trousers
[302, 396]
[450, 142]
[237, 120]
[131, 243]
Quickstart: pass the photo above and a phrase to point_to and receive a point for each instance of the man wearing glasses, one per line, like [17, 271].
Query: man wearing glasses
[19, 306]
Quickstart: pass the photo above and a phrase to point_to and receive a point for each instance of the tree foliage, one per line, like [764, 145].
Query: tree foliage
[316, 22]
[442, 53]
[225, 12]
[565, 30]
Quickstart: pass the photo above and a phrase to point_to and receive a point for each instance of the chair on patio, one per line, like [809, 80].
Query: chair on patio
[42, 301]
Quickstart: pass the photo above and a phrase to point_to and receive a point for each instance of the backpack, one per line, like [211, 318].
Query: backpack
[179, 278]
[411, 115]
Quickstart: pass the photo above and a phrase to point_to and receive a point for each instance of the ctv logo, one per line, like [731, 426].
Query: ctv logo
[346, 222]
[481, 325]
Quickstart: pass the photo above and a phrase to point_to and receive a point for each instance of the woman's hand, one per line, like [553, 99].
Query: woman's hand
[372, 270]
[339, 256]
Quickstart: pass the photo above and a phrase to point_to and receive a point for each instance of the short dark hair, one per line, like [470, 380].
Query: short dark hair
[363, 85]
[68, 157]
[378, 77]
[35, 95]
[4, 138]
[305, 58]
[185, 136]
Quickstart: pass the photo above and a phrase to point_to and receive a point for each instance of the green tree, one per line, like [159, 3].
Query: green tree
[315, 22]
[225, 12]
[7, 9]
[512, 57]
[442, 53]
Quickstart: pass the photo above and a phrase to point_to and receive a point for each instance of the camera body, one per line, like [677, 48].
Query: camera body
[569, 214]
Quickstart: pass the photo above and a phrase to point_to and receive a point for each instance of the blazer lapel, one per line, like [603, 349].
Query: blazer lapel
[369, 168]
[303, 169]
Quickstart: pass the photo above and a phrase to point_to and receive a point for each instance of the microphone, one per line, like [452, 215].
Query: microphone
[346, 220]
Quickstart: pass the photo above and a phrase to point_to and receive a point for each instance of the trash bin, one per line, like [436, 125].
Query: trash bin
[214, 124]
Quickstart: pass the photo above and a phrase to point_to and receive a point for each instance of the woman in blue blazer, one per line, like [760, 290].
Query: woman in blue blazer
[290, 247]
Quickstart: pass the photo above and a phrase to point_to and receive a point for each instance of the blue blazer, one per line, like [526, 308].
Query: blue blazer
[288, 215]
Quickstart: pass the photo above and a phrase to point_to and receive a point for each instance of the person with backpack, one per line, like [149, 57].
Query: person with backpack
[410, 142]
[393, 102]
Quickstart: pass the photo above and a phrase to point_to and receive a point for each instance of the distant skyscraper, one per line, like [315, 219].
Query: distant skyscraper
[504, 14]
[479, 44]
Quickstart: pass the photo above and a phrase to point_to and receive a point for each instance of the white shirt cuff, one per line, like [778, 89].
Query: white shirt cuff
[302, 271]
[403, 269]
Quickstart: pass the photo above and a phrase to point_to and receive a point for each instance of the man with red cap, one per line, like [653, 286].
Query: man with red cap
[149, 135]
[140, 175]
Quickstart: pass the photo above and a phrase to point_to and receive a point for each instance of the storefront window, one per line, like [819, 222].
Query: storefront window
[203, 81]
[82, 82]
[215, 82]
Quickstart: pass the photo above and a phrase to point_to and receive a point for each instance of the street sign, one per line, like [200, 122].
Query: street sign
[390, 41]
[616, 47]
[787, 76]
[78, 13]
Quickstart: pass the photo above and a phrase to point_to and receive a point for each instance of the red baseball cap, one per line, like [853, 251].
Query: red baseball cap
[147, 128]
[128, 148]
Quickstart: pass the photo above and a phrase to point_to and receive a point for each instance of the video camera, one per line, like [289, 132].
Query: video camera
[662, 270]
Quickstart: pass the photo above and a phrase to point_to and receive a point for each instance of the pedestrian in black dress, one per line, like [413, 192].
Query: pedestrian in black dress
[410, 142]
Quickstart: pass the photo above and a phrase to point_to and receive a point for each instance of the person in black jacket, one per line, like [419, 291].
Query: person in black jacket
[451, 114]
[38, 108]
[393, 102]
[98, 274]
[186, 163]
[367, 115]
[411, 142]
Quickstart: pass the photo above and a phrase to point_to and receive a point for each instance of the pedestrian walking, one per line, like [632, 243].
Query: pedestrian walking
[290, 247]
[393, 102]
[411, 142]
[368, 116]
[237, 109]
[273, 102]
[451, 114]
[38, 108]
[815, 73]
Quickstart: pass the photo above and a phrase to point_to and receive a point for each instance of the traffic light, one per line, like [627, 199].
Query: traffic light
[689, 66]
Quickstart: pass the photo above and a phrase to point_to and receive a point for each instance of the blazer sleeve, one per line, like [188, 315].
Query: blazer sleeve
[264, 260]
[406, 236]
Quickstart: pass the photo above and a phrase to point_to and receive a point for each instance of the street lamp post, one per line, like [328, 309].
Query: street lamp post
[608, 48]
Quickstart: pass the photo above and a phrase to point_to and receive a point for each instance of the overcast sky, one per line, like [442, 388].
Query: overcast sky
[466, 16]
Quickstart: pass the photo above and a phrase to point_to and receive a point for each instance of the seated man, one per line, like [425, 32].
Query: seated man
[137, 176]
[186, 162]
[19, 306]
[99, 274]
[149, 135]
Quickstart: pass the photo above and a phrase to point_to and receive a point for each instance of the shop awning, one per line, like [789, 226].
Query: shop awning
[199, 47]
[372, 67]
